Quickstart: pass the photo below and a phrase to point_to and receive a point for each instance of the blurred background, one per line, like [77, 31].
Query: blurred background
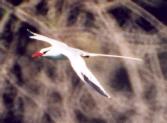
[46, 91]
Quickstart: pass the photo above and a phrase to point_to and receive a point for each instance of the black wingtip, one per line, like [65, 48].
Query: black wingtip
[95, 86]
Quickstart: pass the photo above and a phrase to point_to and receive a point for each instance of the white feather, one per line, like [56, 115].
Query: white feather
[42, 38]
[85, 74]
[77, 62]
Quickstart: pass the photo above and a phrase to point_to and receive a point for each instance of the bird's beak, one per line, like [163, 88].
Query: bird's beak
[37, 54]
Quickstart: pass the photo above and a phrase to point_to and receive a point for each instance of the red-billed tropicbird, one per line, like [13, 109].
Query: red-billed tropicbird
[59, 50]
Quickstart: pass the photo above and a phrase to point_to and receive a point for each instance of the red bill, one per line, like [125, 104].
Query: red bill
[37, 54]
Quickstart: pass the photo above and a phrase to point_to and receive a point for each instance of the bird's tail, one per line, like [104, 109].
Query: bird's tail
[114, 56]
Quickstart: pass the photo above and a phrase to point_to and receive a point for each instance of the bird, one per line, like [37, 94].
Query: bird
[59, 50]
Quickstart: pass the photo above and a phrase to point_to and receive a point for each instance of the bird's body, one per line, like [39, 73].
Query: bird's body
[59, 50]
[57, 57]
[55, 54]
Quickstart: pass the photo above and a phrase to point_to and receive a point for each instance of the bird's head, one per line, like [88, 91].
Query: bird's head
[42, 53]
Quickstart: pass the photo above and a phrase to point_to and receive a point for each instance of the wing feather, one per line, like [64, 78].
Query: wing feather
[85, 74]
[51, 41]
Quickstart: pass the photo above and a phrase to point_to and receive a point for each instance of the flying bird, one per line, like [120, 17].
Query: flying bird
[59, 50]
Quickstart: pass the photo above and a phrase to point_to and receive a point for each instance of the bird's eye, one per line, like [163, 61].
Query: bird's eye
[45, 52]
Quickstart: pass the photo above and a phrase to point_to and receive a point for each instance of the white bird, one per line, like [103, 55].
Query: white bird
[59, 50]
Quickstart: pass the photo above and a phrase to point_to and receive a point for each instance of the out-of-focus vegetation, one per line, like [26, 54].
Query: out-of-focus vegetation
[46, 91]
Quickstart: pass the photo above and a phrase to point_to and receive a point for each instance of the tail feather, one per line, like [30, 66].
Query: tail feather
[114, 56]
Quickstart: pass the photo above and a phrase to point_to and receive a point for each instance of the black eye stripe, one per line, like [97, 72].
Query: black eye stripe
[45, 52]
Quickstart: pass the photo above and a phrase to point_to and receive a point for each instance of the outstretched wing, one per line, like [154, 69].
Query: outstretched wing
[51, 41]
[85, 74]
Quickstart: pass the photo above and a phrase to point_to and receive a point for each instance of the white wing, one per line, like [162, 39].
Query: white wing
[57, 43]
[85, 74]
[51, 41]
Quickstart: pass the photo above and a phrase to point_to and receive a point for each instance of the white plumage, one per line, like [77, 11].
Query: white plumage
[61, 50]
